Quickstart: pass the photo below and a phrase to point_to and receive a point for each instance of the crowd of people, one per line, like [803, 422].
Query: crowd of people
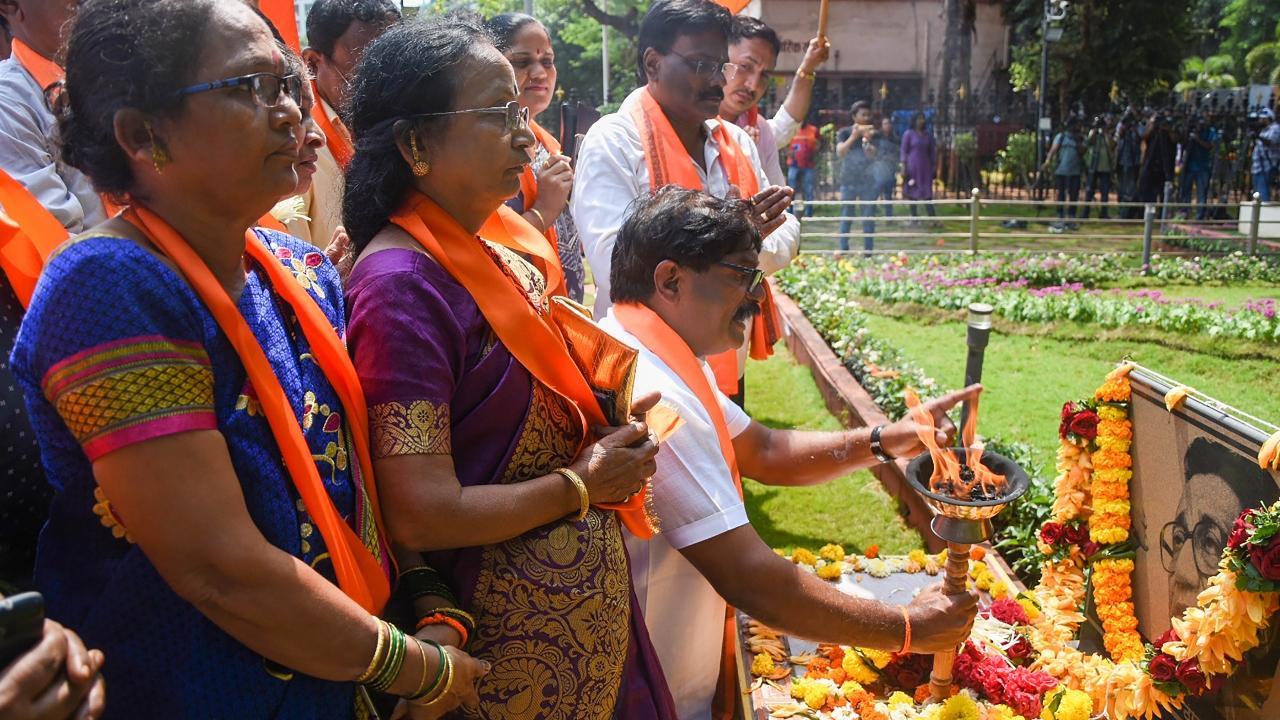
[288, 390]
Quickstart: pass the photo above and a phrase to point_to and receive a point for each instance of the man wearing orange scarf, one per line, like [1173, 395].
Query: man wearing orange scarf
[338, 31]
[685, 277]
[28, 146]
[667, 132]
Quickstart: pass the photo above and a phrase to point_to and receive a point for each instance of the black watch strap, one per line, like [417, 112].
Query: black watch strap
[876, 448]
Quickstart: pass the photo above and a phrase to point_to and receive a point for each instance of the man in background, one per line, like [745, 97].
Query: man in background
[338, 31]
[754, 48]
[856, 148]
[802, 162]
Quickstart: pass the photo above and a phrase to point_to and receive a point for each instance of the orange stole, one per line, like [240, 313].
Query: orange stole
[656, 335]
[30, 235]
[46, 72]
[338, 140]
[669, 164]
[529, 189]
[526, 332]
[284, 16]
[360, 574]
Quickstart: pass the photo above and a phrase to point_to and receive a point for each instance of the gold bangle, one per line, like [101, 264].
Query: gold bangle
[541, 219]
[584, 498]
[370, 671]
[448, 682]
[807, 74]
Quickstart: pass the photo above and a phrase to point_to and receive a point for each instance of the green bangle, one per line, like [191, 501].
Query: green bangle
[394, 663]
[435, 683]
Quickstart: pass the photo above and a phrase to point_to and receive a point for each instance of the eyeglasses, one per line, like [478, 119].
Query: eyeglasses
[1207, 539]
[516, 116]
[750, 68]
[269, 89]
[754, 276]
[709, 68]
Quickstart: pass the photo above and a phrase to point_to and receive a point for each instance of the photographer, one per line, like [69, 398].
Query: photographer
[56, 679]
[1266, 154]
[1128, 160]
[856, 147]
[1198, 150]
[1100, 159]
[1066, 148]
[1158, 161]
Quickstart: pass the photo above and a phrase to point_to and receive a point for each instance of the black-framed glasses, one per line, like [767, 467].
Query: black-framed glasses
[709, 68]
[268, 89]
[754, 276]
[1207, 539]
[516, 117]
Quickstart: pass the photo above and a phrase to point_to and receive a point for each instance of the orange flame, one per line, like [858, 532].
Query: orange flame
[946, 478]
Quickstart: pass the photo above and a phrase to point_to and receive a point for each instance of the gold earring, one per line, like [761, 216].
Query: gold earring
[421, 168]
[159, 156]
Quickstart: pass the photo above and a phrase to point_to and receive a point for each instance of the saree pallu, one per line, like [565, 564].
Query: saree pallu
[554, 609]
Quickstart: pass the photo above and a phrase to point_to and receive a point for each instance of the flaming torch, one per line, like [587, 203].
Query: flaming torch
[967, 485]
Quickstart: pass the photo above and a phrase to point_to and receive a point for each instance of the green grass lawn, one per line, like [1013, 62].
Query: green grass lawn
[853, 510]
[1028, 378]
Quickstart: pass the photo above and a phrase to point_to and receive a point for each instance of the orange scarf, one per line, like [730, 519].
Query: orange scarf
[527, 333]
[662, 341]
[529, 189]
[669, 164]
[283, 16]
[31, 235]
[46, 72]
[361, 575]
[336, 135]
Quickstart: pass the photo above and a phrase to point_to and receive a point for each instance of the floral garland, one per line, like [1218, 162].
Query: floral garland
[1205, 644]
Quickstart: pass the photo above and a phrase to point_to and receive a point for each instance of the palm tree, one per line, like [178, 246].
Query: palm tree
[1211, 73]
[1263, 62]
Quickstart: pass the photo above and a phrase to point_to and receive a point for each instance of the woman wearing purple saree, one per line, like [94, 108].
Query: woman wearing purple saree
[482, 468]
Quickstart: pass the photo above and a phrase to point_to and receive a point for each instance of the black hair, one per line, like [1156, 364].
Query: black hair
[669, 19]
[124, 54]
[689, 227]
[410, 70]
[1250, 485]
[505, 26]
[745, 26]
[859, 105]
[329, 19]
[918, 115]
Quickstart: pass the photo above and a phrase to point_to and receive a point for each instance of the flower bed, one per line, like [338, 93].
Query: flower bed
[954, 285]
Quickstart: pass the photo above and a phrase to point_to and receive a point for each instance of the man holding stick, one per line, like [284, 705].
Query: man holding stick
[754, 48]
[685, 277]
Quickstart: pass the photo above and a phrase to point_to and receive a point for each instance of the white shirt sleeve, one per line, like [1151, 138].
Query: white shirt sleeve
[26, 155]
[784, 126]
[767, 148]
[606, 180]
[781, 246]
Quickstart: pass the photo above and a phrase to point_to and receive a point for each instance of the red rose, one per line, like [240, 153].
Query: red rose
[1169, 636]
[1240, 530]
[1051, 533]
[1084, 425]
[1076, 534]
[1068, 410]
[1191, 676]
[1163, 668]
[1020, 650]
[1090, 548]
[1009, 611]
[1267, 560]
[1026, 704]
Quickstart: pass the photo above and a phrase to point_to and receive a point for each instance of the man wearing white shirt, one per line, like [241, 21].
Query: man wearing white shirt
[754, 48]
[683, 59]
[28, 130]
[685, 277]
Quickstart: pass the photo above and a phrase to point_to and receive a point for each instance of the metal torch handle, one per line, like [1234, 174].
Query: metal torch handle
[955, 584]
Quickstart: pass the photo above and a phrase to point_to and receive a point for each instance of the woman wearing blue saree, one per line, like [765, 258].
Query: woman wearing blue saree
[214, 526]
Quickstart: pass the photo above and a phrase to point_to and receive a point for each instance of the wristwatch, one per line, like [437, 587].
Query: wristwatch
[876, 448]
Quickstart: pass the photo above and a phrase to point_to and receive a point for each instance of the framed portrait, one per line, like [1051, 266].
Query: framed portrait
[1194, 471]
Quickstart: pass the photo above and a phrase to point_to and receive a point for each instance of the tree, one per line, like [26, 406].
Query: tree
[1137, 44]
[1209, 73]
[957, 57]
[1248, 24]
[1262, 63]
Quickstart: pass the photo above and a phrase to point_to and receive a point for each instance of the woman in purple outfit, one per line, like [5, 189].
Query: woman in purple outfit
[919, 163]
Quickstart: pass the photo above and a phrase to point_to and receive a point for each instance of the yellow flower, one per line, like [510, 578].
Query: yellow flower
[834, 553]
[959, 707]
[1002, 712]
[878, 658]
[916, 556]
[900, 699]
[851, 687]
[803, 557]
[1029, 605]
[1073, 705]
[857, 670]
[762, 664]
[830, 571]
[815, 696]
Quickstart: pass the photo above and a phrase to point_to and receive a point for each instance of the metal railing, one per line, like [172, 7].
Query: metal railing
[976, 224]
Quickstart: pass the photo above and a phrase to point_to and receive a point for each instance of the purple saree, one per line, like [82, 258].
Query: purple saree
[554, 609]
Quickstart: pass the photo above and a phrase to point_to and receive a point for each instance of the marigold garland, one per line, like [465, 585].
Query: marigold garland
[1206, 642]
